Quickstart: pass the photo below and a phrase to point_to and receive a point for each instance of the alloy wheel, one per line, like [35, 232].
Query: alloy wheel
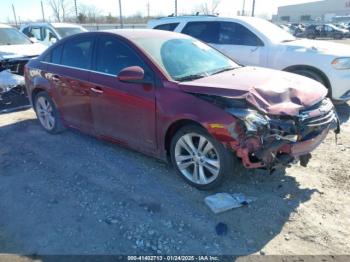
[197, 159]
[45, 113]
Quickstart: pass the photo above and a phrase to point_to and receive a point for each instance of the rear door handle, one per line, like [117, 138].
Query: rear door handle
[97, 90]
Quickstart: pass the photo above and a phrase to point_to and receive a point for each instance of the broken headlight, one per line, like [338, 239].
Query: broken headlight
[252, 119]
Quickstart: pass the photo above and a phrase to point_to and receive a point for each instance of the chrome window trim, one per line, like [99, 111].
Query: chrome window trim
[82, 69]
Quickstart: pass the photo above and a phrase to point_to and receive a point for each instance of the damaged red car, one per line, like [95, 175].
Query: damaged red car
[173, 97]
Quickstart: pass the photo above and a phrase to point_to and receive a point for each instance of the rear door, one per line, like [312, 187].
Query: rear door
[124, 112]
[69, 68]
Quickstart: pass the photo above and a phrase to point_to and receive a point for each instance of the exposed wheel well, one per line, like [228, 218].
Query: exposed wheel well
[173, 128]
[315, 70]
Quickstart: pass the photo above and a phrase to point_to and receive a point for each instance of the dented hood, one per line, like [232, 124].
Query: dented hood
[270, 91]
[18, 51]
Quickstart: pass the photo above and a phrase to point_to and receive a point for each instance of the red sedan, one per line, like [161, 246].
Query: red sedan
[173, 97]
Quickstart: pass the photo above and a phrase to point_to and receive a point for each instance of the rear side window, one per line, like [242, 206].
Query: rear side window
[205, 31]
[77, 52]
[167, 27]
[112, 56]
[25, 31]
[36, 32]
[56, 54]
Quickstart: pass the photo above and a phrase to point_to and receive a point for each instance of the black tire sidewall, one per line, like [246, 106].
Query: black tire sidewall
[226, 158]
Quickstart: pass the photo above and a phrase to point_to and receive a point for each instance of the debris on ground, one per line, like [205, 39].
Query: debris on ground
[221, 229]
[221, 202]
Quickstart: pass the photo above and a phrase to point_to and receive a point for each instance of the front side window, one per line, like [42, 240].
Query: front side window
[112, 56]
[77, 52]
[185, 58]
[206, 31]
[167, 27]
[222, 33]
[236, 34]
[11, 36]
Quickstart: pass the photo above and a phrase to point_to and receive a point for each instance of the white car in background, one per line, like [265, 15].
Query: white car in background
[14, 44]
[257, 42]
[49, 33]
[15, 51]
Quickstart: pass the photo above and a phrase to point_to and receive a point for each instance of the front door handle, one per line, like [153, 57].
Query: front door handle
[55, 78]
[97, 90]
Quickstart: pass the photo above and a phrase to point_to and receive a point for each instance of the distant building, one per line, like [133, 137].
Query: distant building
[319, 11]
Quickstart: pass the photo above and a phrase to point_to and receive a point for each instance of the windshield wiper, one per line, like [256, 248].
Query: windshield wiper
[191, 77]
[224, 69]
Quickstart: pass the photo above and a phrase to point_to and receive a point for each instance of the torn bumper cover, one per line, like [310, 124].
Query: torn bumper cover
[272, 141]
[12, 85]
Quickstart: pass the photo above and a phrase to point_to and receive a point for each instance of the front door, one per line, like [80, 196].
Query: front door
[239, 43]
[125, 112]
[232, 39]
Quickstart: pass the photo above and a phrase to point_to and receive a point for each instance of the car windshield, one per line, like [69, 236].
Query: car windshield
[67, 31]
[271, 31]
[11, 36]
[186, 58]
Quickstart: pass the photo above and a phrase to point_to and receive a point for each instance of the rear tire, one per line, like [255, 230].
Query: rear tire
[199, 158]
[47, 113]
[310, 74]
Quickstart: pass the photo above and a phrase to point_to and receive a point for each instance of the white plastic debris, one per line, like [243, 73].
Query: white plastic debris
[221, 202]
[9, 80]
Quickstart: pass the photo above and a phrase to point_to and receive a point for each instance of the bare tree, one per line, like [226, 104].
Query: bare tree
[56, 9]
[61, 9]
[211, 9]
[90, 12]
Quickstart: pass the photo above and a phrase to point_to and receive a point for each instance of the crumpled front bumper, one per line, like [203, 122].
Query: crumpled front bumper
[13, 94]
[313, 125]
[305, 147]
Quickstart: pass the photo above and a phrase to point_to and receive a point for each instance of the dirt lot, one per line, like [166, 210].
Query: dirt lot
[73, 194]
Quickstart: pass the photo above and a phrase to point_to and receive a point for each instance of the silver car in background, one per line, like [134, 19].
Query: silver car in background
[49, 33]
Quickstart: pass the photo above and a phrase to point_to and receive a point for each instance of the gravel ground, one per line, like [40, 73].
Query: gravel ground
[73, 194]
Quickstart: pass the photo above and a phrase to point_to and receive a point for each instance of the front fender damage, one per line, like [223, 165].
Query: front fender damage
[273, 141]
[12, 87]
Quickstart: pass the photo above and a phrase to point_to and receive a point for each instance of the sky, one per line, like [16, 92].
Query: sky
[31, 9]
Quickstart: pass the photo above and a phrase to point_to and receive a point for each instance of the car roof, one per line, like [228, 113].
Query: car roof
[194, 18]
[5, 26]
[56, 25]
[143, 33]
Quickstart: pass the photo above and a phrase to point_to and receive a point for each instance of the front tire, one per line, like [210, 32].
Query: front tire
[47, 113]
[199, 158]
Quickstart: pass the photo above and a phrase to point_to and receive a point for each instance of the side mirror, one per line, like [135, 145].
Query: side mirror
[53, 40]
[33, 39]
[131, 74]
